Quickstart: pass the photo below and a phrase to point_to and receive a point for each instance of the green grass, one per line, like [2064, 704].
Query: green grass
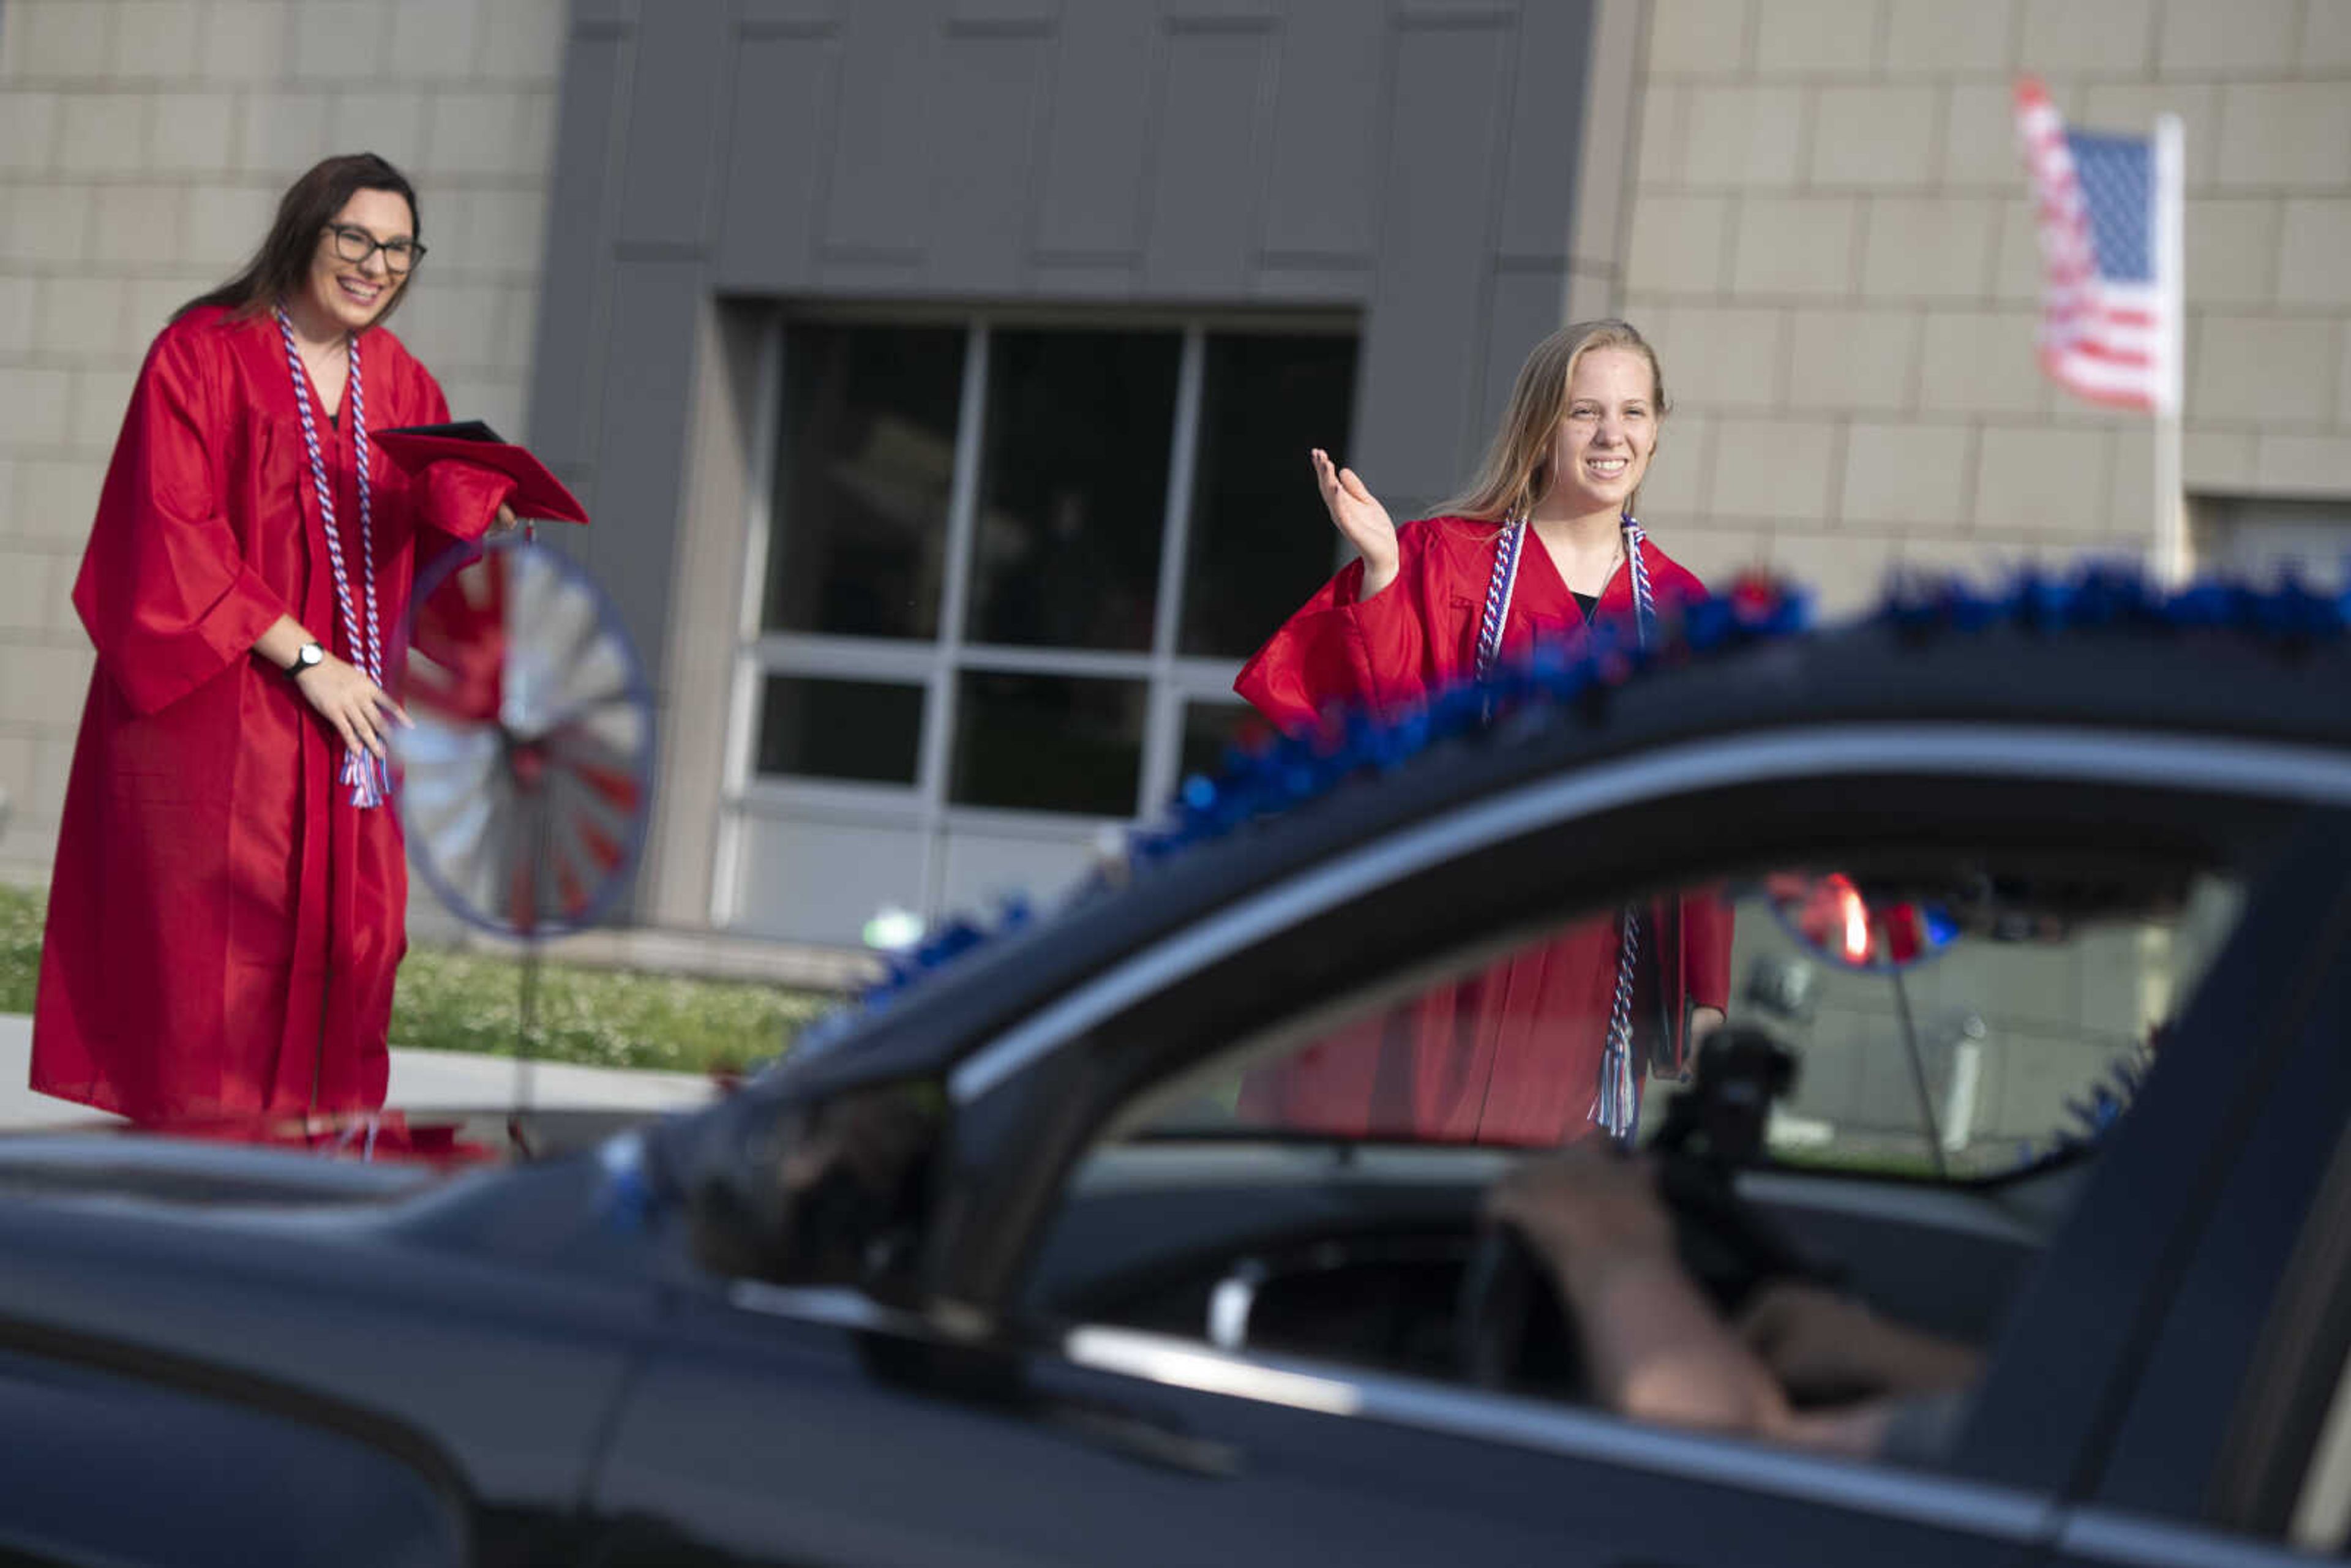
[470, 1001]
[20, 948]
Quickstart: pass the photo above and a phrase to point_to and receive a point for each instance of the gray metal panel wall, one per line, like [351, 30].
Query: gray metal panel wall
[1414, 161]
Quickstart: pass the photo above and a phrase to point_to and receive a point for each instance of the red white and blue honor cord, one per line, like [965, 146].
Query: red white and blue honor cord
[1617, 1106]
[368, 775]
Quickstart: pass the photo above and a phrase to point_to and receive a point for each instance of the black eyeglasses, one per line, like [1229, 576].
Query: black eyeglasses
[356, 244]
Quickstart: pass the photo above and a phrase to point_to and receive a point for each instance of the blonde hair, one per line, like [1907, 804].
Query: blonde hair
[1512, 477]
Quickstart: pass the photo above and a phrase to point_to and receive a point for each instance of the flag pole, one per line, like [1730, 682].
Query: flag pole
[2171, 557]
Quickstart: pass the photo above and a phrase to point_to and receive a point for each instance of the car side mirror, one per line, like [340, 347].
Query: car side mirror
[827, 1193]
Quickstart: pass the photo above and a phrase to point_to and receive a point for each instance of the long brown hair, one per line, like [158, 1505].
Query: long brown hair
[281, 268]
[1514, 474]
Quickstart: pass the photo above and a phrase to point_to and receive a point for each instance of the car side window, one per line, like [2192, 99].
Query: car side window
[1944, 1041]
[1928, 1056]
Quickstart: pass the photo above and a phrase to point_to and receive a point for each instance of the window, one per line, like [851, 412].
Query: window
[1003, 576]
[1997, 1038]
[866, 455]
[2263, 537]
[1969, 1030]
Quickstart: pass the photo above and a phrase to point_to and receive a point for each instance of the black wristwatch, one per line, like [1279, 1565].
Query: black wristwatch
[309, 658]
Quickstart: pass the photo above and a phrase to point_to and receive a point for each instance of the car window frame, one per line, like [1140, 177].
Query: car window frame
[2262, 1284]
[1028, 1098]
[2005, 1507]
[1055, 1059]
[1684, 774]
[2089, 1339]
[2289, 1473]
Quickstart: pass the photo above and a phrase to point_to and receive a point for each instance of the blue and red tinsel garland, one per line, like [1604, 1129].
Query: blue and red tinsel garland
[1284, 773]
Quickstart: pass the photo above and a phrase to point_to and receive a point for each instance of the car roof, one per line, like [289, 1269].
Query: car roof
[2231, 675]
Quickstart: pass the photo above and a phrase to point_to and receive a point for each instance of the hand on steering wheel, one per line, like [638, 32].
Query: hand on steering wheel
[1570, 1224]
[1593, 1202]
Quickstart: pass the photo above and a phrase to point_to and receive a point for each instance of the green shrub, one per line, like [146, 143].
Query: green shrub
[471, 1001]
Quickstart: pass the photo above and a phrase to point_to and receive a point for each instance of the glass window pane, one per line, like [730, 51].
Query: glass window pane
[2028, 1003]
[1073, 487]
[2040, 990]
[865, 459]
[1260, 541]
[869, 730]
[1209, 731]
[1049, 743]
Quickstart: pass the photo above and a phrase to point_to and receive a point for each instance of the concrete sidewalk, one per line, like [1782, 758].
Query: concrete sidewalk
[421, 1080]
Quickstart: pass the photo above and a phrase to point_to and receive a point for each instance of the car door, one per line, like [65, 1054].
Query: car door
[812, 1426]
[2113, 1386]
[791, 1426]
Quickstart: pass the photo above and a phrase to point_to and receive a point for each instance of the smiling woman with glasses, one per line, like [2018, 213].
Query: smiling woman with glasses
[230, 895]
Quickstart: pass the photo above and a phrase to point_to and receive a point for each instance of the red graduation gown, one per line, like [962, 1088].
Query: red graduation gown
[224, 924]
[1512, 1054]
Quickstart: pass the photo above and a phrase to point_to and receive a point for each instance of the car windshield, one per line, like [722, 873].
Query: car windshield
[1963, 1024]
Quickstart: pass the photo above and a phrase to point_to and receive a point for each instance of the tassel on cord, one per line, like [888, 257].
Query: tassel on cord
[368, 776]
[361, 1131]
[1617, 1107]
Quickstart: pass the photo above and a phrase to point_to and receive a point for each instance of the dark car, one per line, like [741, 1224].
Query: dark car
[2048, 898]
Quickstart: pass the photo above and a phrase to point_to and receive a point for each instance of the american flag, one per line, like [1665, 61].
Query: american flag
[2107, 208]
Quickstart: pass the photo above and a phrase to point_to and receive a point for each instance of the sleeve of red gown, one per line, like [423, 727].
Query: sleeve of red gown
[165, 589]
[1341, 649]
[460, 499]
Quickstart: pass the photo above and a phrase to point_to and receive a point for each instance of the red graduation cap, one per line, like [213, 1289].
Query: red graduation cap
[537, 492]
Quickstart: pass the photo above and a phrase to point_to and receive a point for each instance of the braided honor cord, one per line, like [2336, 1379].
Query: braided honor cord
[1617, 1107]
[365, 772]
[1497, 591]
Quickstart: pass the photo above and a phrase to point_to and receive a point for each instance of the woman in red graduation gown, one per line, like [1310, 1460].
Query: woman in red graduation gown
[229, 900]
[1547, 1046]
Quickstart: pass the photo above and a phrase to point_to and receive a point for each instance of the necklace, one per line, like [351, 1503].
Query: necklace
[369, 780]
[1615, 557]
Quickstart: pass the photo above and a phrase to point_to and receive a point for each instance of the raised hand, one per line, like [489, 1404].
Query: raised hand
[355, 705]
[1360, 519]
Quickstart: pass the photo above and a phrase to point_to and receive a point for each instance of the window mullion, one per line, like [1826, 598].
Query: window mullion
[750, 670]
[1163, 714]
[759, 546]
[963, 511]
[844, 658]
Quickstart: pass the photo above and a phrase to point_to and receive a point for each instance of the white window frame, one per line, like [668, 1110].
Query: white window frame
[1170, 679]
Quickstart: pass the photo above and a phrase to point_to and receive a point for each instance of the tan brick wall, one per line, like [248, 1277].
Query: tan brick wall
[1831, 243]
[144, 145]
